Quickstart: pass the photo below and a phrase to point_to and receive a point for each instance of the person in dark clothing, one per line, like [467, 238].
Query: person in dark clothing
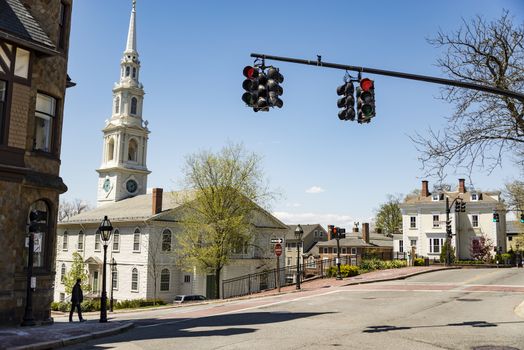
[76, 298]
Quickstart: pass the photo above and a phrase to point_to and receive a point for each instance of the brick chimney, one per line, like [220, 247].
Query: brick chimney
[157, 200]
[355, 228]
[425, 191]
[365, 232]
[462, 186]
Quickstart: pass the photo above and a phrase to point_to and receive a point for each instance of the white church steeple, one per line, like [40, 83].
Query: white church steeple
[123, 172]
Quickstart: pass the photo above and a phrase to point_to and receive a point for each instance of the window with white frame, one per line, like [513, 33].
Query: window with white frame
[316, 233]
[80, 244]
[291, 245]
[401, 246]
[97, 241]
[134, 280]
[164, 280]
[114, 278]
[435, 197]
[474, 197]
[136, 241]
[116, 241]
[45, 112]
[475, 220]
[288, 261]
[62, 273]
[65, 240]
[413, 243]
[326, 250]
[412, 222]
[353, 250]
[343, 250]
[334, 250]
[435, 245]
[436, 221]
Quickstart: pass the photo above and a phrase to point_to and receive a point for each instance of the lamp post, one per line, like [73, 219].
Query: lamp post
[113, 269]
[298, 236]
[105, 229]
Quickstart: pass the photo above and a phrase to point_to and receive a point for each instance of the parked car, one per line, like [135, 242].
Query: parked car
[179, 299]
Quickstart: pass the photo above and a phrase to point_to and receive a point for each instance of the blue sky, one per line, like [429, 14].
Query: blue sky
[192, 55]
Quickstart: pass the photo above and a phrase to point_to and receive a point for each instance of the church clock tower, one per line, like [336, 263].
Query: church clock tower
[123, 172]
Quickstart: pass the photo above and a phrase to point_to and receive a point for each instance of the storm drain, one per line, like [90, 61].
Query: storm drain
[494, 347]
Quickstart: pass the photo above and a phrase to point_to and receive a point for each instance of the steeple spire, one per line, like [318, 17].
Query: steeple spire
[131, 35]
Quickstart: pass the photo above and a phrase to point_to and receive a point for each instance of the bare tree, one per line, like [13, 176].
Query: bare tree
[484, 127]
[155, 263]
[68, 209]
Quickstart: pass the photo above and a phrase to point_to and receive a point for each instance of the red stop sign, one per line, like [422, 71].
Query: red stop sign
[278, 249]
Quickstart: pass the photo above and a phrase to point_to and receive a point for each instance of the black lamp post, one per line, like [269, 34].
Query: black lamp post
[113, 269]
[298, 236]
[105, 229]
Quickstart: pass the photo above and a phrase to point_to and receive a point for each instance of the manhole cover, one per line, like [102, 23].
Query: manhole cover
[494, 347]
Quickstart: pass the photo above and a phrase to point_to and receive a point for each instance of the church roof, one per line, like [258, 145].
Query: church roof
[16, 22]
[131, 35]
[130, 209]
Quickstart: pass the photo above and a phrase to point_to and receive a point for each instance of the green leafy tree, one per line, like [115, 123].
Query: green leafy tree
[77, 271]
[225, 189]
[444, 253]
[389, 217]
[484, 127]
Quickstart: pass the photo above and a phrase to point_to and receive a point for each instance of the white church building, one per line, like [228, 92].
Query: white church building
[145, 224]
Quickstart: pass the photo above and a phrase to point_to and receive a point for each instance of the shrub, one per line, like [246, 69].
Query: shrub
[345, 271]
[60, 306]
[419, 262]
[137, 303]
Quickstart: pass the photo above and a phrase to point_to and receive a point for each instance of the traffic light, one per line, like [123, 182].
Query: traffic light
[256, 90]
[522, 218]
[365, 101]
[460, 207]
[448, 228]
[37, 221]
[335, 232]
[496, 217]
[330, 231]
[341, 233]
[274, 79]
[346, 102]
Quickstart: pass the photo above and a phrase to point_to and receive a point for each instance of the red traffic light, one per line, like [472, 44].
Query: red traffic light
[250, 72]
[366, 84]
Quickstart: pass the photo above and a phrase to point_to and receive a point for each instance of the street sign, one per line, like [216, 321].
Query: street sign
[278, 249]
[277, 240]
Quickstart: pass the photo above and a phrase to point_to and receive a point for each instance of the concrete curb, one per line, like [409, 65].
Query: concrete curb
[519, 310]
[401, 277]
[58, 343]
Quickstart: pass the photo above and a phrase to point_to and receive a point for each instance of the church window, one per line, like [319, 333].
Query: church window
[136, 241]
[80, 245]
[127, 71]
[164, 280]
[134, 72]
[132, 150]
[134, 280]
[116, 241]
[166, 241]
[62, 273]
[111, 149]
[133, 105]
[117, 105]
[44, 115]
[65, 240]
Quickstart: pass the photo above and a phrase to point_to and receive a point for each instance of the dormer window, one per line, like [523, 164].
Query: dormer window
[435, 197]
[474, 197]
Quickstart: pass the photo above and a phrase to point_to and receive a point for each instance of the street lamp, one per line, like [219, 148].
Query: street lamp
[105, 230]
[298, 236]
[113, 270]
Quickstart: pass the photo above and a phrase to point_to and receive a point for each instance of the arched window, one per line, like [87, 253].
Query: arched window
[133, 105]
[127, 71]
[116, 241]
[117, 105]
[132, 150]
[114, 278]
[111, 149]
[134, 72]
[65, 241]
[164, 280]
[40, 209]
[80, 245]
[62, 273]
[134, 280]
[166, 240]
[136, 241]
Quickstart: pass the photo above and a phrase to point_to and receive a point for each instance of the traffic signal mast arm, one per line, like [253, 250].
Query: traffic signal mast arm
[402, 75]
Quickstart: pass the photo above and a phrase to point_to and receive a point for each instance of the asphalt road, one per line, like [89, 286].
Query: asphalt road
[453, 309]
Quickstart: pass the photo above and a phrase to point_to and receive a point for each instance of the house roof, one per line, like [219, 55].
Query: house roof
[514, 227]
[290, 233]
[466, 196]
[16, 22]
[346, 242]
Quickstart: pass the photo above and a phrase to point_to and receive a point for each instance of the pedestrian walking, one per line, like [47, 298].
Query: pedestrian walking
[76, 299]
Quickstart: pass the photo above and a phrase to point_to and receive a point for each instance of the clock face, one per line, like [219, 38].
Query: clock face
[131, 186]
[107, 185]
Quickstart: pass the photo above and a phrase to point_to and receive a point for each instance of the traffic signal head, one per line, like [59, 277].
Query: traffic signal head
[274, 79]
[448, 228]
[346, 102]
[38, 221]
[496, 217]
[365, 100]
[250, 84]
[522, 218]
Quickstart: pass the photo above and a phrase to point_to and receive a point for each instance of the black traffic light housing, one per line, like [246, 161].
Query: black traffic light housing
[37, 221]
[496, 217]
[448, 228]
[522, 218]
[365, 101]
[347, 101]
[274, 79]
[460, 207]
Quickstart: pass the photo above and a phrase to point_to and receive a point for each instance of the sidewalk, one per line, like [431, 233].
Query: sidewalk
[64, 333]
[58, 334]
